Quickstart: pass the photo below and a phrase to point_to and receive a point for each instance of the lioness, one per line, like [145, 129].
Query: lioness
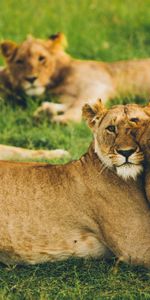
[85, 208]
[37, 66]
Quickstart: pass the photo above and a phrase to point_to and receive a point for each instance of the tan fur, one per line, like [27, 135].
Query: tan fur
[83, 208]
[74, 81]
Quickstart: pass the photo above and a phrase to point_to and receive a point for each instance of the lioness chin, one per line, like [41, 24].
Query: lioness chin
[83, 208]
[40, 66]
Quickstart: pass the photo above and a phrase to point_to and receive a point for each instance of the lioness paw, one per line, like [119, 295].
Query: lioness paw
[48, 109]
[61, 119]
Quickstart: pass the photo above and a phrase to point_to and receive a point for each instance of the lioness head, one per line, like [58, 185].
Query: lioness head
[32, 64]
[115, 144]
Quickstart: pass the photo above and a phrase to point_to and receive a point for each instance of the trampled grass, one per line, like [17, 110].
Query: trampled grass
[96, 29]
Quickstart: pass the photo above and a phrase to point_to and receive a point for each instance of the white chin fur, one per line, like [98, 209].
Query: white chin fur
[35, 91]
[129, 171]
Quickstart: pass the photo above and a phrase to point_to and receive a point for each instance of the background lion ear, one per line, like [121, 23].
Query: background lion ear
[93, 113]
[30, 37]
[8, 48]
[58, 42]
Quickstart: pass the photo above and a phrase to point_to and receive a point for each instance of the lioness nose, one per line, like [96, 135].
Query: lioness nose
[126, 153]
[31, 79]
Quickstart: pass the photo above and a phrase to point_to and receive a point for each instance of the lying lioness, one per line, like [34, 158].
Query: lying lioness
[38, 66]
[87, 208]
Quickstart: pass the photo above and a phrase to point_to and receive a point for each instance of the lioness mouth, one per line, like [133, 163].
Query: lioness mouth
[125, 164]
[128, 164]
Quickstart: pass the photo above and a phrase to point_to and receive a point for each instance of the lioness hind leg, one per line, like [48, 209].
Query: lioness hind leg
[17, 153]
[50, 109]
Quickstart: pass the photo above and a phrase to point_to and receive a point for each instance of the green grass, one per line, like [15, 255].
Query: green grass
[74, 279]
[97, 29]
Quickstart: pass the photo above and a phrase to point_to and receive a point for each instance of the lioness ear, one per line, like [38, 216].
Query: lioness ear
[8, 49]
[94, 113]
[58, 42]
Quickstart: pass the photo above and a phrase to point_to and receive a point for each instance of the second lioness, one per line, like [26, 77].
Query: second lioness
[37, 66]
[84, 208]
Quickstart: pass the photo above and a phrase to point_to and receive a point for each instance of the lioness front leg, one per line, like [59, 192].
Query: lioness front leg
[72, 114]
[74, 111]
[49, 108]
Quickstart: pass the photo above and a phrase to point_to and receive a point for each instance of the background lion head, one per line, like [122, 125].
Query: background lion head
[32, 64]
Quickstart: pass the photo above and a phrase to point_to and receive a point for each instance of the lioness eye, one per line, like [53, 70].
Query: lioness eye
[134, 120]
[111, 128]
[41, 58]
[19, 61]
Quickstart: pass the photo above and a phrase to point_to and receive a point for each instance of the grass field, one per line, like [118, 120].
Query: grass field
[97, 29]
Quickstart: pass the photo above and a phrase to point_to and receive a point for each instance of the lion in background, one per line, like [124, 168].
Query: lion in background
[87, 208]
[38, 66]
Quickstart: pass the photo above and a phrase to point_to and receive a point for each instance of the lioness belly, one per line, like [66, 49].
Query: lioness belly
[26, 251]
